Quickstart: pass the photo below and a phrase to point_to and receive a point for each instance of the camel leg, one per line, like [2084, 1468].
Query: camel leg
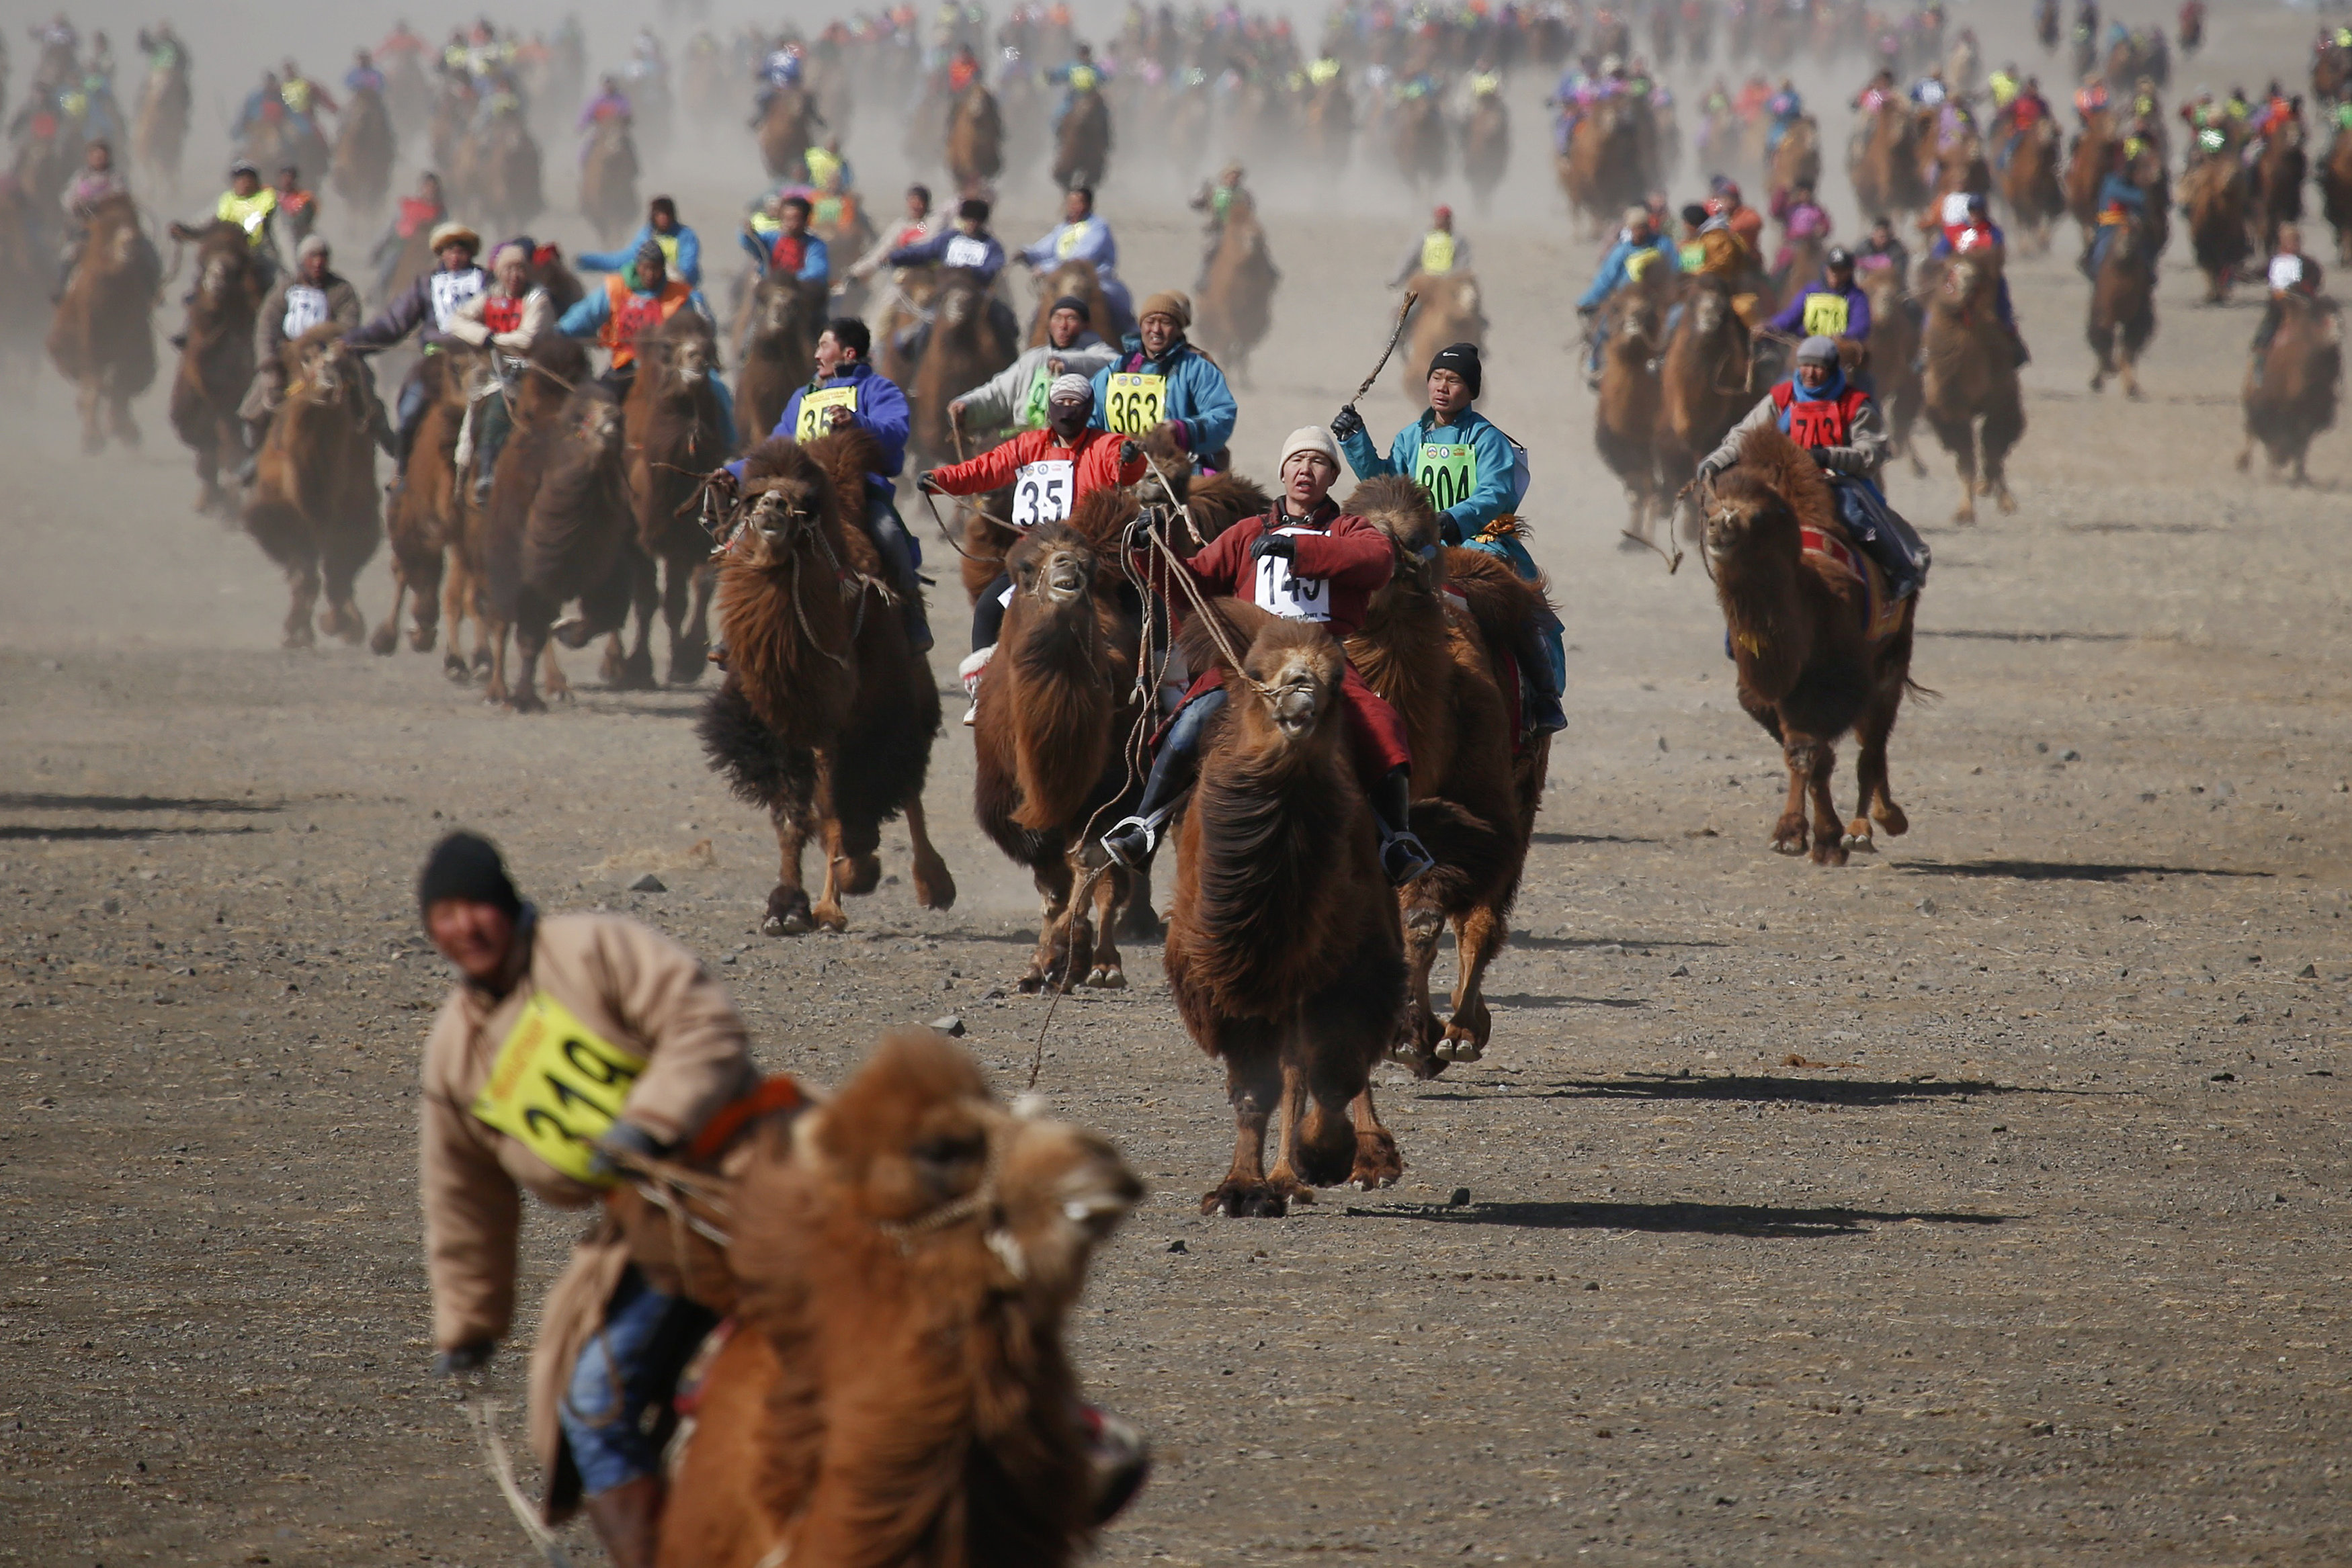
[1111, 890]
[2246, 455]
[689, 651]
[427, 571]
[1050, 964]
[1137, 922]
[93, 434]
[1418, 1034]
[1253, 1087]
[633, 671]
[302, 578]
[2102, 365]
[787, 901]
[558, 688]
[386, 637]
[494, 689]
[525, 697]
[675, 590]
[1829, 829]
[347, 550]
[1477, 937]
[1377, 1164]
[1296, 1092]
[1788, 833]
[2001, 431]
[126, 429]
[1875, 799]
[1960, 442]
[827, 911]
[934, 888]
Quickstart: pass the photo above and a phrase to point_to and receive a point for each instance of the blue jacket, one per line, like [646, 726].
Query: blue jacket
[817, 261]
[595, 308]
[1791, 319]
[1092, 242]
[688, 265]
[881, 408]
[924, 252]
[1198, 397]
[1495, 489]
[1614, 275]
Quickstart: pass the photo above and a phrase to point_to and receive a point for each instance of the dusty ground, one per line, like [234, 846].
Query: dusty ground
[1981, 1202]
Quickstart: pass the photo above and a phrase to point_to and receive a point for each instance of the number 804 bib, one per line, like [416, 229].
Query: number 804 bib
[557, 1087]
[1449, 472]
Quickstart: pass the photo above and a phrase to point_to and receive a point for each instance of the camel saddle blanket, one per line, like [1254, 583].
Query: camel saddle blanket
[1881, 611]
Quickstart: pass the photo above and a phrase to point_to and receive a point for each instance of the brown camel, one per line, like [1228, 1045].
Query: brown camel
[578, 541]
[2095, 150]
[1284, 951]
[313, 507]
[1450, 311]
[1417, 137]
[427, 515]
[1235, 309]
[497, 173]
[1970, 390]
[2279, 174]
[2336, 192]
[216, 358]
[1893, 354]
[2123, 308]
[2030, 186]
[1602, 170]
[1818, 649]
[1797, 160]
[2293, 399]
[608, 182]
[160, 131]
[975, 140]
[788, 127]
[1451, 674]
[1486, 147]
[2215, 194]
[1625, 414]
[779, 350]
[100, 337]
[1072, 279]
[1081, 149]
[678, 433]
[1705, 382]
[827, 716]
[967, 344]
[486, 562]
[1884, 167]
[365, 150]
[1052, 743]
[897, 1393]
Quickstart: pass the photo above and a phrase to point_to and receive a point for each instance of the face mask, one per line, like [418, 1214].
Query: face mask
[1067, 418]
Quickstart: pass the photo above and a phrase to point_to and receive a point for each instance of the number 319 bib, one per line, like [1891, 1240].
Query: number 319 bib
[557, 1087]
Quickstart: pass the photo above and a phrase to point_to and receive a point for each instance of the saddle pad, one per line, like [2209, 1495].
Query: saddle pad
[1880, 613]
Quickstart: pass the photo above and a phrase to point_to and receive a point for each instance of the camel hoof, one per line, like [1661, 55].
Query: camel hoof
[2004, 500]
[830, 916]
[422, 638]
[859, 876]
[1460, 1046]
[685, 674]
[383, 642]
[294, 641]
[935, 891]
[1828, 851]
[792, 924]
[1857, 836]
[1416, 1059]
[1244, 1200]
[526, 702]
[1108, 976]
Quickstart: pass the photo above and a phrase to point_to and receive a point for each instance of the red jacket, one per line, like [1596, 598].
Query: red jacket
[1353, 556]
[1095, 451]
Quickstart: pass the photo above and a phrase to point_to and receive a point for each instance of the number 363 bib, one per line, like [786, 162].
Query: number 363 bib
[557, 1087]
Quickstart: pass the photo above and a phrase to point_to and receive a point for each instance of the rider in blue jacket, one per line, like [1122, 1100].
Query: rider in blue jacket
[1160, 378]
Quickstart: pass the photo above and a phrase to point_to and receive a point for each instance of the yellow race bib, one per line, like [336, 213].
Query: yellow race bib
[1138, 404]
[1825, 315]
[1449, 472]
[816, 408]
[556, 1087]
[1437, 252]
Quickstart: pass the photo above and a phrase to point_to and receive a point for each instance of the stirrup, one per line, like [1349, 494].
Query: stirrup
[1404, 857]
[1119, 842]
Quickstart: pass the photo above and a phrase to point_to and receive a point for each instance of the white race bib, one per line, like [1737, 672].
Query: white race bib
[1044, 491]
[2287, 271]
[1287, 595]
[306, 307]
[965, 251]
[451, 290]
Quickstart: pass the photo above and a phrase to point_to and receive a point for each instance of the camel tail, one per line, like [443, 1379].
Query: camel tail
[1472, 853]
[760, 771]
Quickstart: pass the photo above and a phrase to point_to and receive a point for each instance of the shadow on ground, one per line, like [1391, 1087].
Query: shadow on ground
[1673, 1218]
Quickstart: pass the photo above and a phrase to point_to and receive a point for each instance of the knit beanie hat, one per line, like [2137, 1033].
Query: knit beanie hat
[1462, 359]
[467, 866]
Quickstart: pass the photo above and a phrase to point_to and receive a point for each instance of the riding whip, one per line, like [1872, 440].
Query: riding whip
[1404, 310]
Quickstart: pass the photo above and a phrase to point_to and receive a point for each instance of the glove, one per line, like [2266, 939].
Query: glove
[1708, 470]
[923, 481]
[1820, 455]
[1280, 545]
[624, 1138]
[463, 1359]
[1129, 452]
[1346, 423]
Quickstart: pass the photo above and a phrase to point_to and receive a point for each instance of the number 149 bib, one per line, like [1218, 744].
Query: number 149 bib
[1287, 595]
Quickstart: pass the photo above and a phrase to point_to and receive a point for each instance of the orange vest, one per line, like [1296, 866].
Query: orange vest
[633, 313]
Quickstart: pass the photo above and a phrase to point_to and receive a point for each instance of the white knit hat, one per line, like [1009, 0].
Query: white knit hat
[1309, 438]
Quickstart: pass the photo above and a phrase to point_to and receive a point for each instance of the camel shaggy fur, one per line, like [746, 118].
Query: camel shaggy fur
[313, 507]
[100, 337]
[217, 360]
[1969, 388]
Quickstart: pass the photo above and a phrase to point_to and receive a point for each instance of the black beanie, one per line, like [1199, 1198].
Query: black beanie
[1462, 359]
[467, 866]
[1071, 302]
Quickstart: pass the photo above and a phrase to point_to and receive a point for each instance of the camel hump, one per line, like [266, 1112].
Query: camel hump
[1242, 623]
[1500, 601]
[1398, 507]
[1102, 514]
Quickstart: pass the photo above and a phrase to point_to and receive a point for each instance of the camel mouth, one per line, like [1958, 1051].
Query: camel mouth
[1063, 579]
[1294, 710]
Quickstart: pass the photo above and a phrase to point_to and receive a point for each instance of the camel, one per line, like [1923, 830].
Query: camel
[2123, 309]
[1082, 149]
[2336, 192]
[1818, 649]
[100, 337]
[1970, 390]
[427, 514]
[1071, 278]
[1885, 166]
[1235, 309]
[1602, 170]
[1327, 129]
[2214, 194]
[967, 346]
[312, 505]
[975, 140]
[1453, 674]
[897, 1392]
[1417, 137]
[2094, 153]
[1707, 380]
[497, 170]
[1450, 312]
[2278, 176]
[160, 131]
[364, 152]
[2295, 398]
[1894, 357]
[2031, 187]
[1797, 160]
[827, 716]
[1485, 147]
[608, 182]
[577, 540]
[486, 561]
[1052, 743]
[677, 433]
[1625, 414]
[779, 350]
[788, 127]
[216, 363]
[1284, 950]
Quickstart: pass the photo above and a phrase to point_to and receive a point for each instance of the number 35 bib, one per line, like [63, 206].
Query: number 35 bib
[557, 1087]
[1283, 591]
[1043, 491]
[816, 411]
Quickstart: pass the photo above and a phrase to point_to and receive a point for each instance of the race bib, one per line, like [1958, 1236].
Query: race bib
[816, 409]
[2287, 271]
[965, 251]
[1043, 492]
[1448, 473]
[1826, 314]
[1033, 407]
[556, 1087]
[449, 291]
[305, 307]
[1287, 595]
[1068, 240]
[1136, 403]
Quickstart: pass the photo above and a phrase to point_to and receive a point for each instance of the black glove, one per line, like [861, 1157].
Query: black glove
[623, 1139]
[1281, 545]
[1346, 423]
[463, 1359]
[1708, 470]
[1127, 452]
[923, 481]
[1820, 455]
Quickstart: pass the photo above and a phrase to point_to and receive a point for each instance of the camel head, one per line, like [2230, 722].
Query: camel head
[784, 508]
[778, 305]
[219, 278]
[596, 420]
[689, 356]
[1299, 667]
[959, 305]
[321, 369]
[1742, 515]
[1633, 320]
[1054, 565]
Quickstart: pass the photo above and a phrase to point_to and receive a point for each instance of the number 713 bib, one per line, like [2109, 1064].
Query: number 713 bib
[557, 1087]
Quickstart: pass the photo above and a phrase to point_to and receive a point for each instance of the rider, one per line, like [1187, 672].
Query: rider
[919, 224]
[778, 238]
[845, 390]
[1477, 477]
[506, 317]
[1305, 561]
[2119, 205]
[1436, 253]
[1802, 217]
[312, 294]
[424, 308]
[363, 77]
[1884, 247]
[609, 104]
[1016, 395]
[424, 210]
[1083, 236]
[1787, 106]
[681, 248]
[779, 72]
[1639, 247]
[253, 207]
[1837, 422]
[1050, 470]
[1160, 383]
[304, 99]
[1075, 78]
[298, 209]
[1215, 197]
[570, 1042]
[1834, 308]
[2290, 272]
[96, 182]
[641, 295]
[968, 247]
[1966, 226]
[1746, 224]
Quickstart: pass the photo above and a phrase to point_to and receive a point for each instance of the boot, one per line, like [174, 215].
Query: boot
[1402, 854]
[1132, 841]
[628, 1520]
[969, 671]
